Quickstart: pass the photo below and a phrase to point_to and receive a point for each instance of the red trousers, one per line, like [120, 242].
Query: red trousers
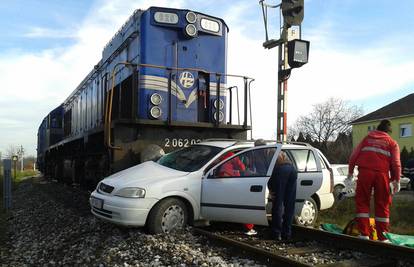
[249, 226]
[380, 182]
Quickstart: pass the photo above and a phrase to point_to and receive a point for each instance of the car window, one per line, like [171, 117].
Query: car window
[304, 159]
[253, 163]
[225, 155]
[343, 171]
[189, 159]
[323, 164]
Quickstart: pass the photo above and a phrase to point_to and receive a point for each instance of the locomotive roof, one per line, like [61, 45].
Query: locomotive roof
[122, 31]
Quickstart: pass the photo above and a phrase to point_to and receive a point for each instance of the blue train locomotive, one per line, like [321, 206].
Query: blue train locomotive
[161, 84]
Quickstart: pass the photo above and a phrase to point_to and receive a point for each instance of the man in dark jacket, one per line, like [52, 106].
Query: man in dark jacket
[282, 184]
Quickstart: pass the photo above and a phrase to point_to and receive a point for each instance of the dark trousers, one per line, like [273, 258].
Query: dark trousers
[283, 206]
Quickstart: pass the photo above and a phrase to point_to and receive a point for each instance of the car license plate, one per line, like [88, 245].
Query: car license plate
[96, 202]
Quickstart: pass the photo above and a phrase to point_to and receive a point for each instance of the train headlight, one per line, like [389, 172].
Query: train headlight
[191, 17]
[165, 17]
[155, 112]
[221, 116]
[191, 30]
[220, 105]
[210, 25]
[134, 192]
[156, 99]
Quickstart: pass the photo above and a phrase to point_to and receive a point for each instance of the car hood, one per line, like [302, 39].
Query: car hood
[142, 175]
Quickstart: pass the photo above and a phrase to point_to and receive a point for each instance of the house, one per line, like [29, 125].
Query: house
[401, 115]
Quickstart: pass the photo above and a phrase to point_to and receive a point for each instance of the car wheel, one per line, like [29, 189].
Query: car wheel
[308, 214]
[167, 216]
[337, 189]
[409, 186]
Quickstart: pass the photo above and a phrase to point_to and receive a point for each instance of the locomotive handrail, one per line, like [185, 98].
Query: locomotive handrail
[108, 106]
[193, 69]
[109, 99]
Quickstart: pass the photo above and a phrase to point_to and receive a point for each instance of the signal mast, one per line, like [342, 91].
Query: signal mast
[293, 52]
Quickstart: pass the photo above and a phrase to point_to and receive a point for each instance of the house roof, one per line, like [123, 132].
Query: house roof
[399, 108]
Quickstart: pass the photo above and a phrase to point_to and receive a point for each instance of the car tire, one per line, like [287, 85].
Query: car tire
[169, 215]
[409, 187]
[309, 213]
[337, 189]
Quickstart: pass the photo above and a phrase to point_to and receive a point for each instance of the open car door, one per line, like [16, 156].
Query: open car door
[236, 189]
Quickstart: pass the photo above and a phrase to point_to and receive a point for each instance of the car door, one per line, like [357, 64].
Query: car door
[309, 174]
[239, 194]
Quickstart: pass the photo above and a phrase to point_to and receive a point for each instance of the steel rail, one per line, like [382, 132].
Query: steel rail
[345, 241]
[388, 254]
[254, 252]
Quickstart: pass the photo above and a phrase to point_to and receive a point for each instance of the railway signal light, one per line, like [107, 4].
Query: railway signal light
[298, 53]
[293, 12]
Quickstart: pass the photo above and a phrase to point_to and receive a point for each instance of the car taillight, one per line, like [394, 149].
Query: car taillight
[332, 179]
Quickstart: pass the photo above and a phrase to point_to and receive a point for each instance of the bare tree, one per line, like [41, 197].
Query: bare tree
[11, 151]
[328, 120]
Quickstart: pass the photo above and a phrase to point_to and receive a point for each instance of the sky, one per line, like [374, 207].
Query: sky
[360, 51]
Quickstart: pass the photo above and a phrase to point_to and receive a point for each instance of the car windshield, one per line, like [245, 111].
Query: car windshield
[189, 159]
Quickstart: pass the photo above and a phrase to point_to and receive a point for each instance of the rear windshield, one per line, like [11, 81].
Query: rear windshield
[189, 159]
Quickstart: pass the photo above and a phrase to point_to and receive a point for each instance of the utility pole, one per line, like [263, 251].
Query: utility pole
[292, 53]
[20, 152]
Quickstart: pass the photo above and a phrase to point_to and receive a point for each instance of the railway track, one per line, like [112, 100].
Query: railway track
[309, 247]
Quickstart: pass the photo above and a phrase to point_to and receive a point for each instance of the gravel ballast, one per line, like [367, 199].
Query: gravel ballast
[51, 225]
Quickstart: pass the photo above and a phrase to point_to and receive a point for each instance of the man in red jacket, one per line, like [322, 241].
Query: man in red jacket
[377, 156]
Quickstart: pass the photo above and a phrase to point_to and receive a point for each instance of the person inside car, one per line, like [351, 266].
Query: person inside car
[234, 168]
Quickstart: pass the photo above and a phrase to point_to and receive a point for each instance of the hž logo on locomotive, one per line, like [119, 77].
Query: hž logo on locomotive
[187, 79]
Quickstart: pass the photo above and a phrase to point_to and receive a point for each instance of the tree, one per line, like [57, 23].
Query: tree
[301, 138]
[412, 153]
[404, 156]
[327, 121]
[11, 151]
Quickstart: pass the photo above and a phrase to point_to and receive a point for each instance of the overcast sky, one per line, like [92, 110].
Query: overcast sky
[361, 51]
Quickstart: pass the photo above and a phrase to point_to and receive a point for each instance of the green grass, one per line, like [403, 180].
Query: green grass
[401, 219]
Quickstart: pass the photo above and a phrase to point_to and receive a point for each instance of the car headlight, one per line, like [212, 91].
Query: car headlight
[134, 192]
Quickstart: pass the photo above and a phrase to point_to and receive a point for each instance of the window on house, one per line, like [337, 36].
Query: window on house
[406, 130]
[371, 128]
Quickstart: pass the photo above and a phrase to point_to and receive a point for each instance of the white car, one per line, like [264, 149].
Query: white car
[340, 172]
[188, 185]
[405, 183]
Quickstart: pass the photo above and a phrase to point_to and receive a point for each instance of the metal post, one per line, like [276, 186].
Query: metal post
[169, 118]
[217, 111]
[15, 169]
[280, 112]
[21, 158]
[285, 87]
[7, 183]
[245, 102]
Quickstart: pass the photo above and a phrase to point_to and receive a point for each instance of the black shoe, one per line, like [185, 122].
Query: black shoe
[276, 237]
[286, 238]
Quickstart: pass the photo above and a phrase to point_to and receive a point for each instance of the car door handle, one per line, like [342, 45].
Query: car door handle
[306, 182]
[256, 188]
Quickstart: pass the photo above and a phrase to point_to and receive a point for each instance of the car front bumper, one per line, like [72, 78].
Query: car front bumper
[120, 210]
